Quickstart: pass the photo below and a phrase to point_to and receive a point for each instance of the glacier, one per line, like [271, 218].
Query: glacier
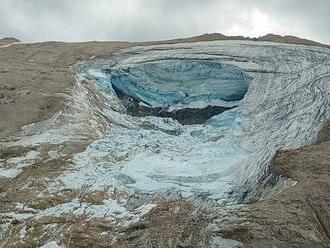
[174, 81]
[264, 97]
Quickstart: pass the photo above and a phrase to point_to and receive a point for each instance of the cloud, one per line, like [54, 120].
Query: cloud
[139, 20]
[253, 23]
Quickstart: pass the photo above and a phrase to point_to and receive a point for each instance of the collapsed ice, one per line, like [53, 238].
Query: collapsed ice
[285, 106]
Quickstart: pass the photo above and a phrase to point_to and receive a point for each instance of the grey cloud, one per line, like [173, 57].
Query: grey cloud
[137, 20]
[304, 17]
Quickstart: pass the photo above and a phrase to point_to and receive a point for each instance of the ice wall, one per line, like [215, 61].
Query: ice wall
[181, 81]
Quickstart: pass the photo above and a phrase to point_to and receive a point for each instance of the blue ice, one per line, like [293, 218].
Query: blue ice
[171, 82]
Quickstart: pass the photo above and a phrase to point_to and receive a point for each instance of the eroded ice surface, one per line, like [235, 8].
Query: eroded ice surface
[286, 104]
[176, 81]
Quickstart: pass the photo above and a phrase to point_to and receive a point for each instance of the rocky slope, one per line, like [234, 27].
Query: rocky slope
[52, 116]
[8, 40]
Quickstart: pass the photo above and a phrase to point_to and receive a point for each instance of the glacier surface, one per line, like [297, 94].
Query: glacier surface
[280, 94]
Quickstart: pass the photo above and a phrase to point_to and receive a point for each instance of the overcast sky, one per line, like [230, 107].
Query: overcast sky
[140, 20]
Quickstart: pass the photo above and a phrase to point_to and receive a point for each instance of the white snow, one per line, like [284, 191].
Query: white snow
[110, 210]
[51, 244]
[12, 167]
[22, 232]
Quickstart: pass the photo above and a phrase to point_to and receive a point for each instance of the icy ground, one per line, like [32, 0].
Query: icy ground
[281, 94]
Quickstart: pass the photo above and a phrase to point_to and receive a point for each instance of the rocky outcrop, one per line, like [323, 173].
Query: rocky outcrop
[8, 41]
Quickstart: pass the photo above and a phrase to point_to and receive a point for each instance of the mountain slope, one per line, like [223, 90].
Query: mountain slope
[53, 115]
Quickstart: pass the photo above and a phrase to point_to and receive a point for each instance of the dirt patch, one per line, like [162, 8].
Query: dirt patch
[324, 135]
[170, 224]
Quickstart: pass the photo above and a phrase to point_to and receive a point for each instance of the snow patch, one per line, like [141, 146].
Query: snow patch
[51, 244]
[12, 167]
